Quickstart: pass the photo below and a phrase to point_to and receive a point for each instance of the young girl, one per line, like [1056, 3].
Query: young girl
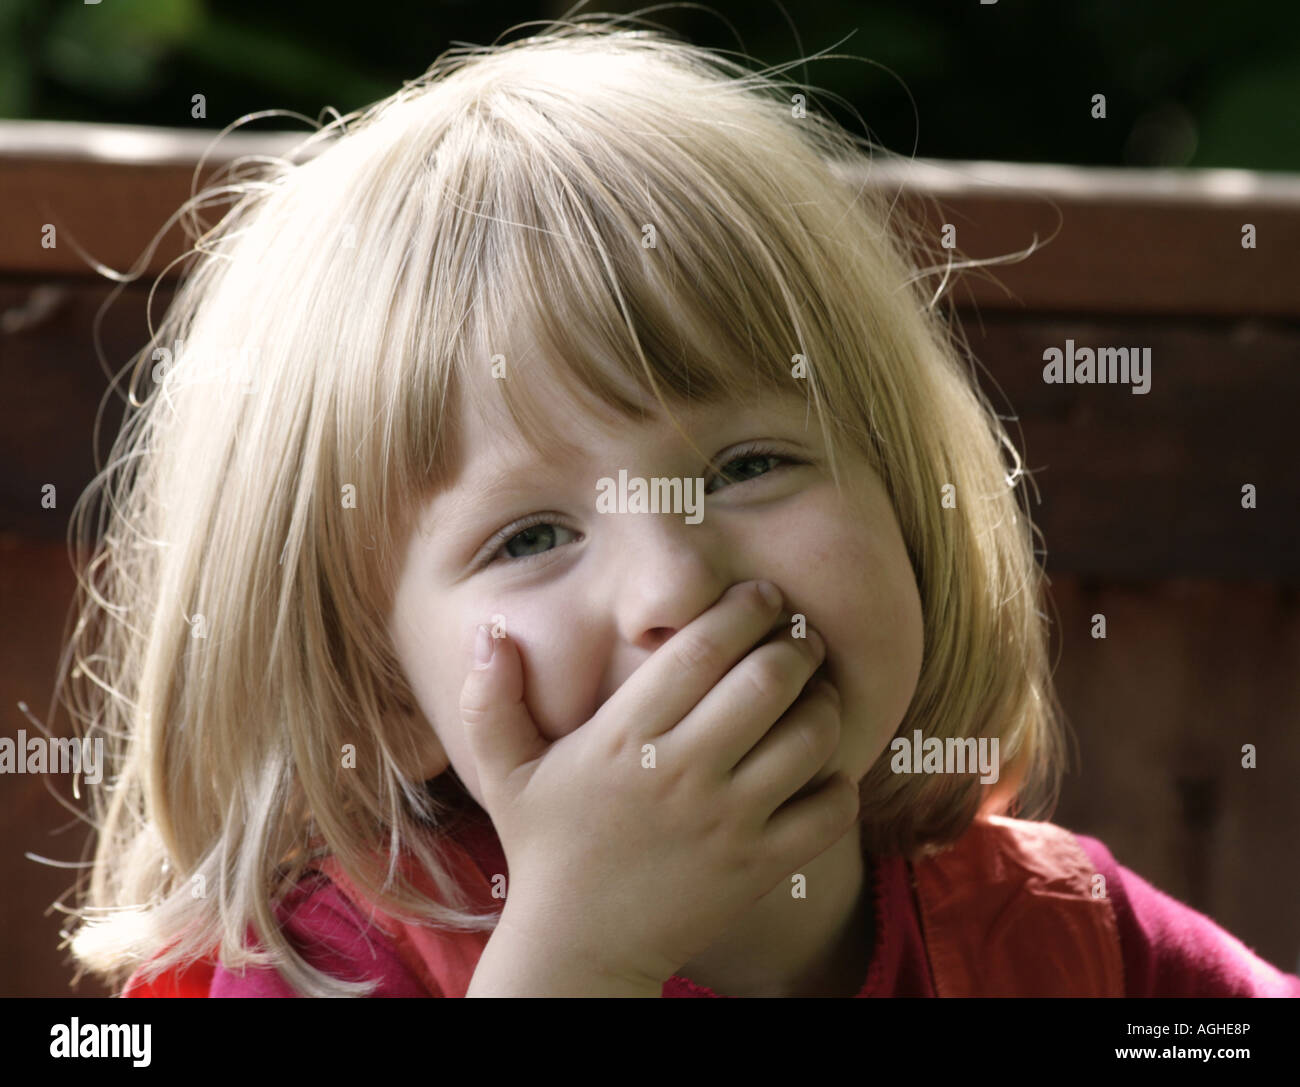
[560, 551]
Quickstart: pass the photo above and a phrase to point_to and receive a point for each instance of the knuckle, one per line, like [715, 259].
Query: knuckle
[810, 737]
[828, 693]
[764, 675]
[472, 711]
[793, 654]
[694, 652]
[813, 646]
[755, 600]
[819, 732]
[828, 726]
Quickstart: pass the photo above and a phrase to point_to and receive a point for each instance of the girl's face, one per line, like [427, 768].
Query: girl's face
[587, 596]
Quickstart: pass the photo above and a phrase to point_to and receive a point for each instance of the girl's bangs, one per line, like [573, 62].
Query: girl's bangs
[568, 294]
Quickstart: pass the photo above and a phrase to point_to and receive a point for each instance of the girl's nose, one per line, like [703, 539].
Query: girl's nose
[664, 575]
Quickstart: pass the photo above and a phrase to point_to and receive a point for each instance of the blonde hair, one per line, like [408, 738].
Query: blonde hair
[650, 214]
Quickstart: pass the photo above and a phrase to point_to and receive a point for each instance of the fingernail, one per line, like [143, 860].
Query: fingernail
[483, 647]
[770, 593]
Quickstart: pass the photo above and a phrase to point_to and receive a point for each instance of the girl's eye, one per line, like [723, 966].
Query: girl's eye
[754, 462]
[532, 538]
[535, 536]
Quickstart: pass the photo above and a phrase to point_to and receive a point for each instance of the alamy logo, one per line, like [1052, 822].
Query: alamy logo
[52, 755]
[216, 364]
[1111, 366]
[955, 755]
[77, 1039]
[658, 495]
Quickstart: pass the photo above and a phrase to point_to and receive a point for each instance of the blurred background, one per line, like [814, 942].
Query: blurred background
[1138, 497]
[1191, 82]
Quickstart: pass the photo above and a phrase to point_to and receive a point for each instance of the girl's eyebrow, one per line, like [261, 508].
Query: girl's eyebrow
[453, 509]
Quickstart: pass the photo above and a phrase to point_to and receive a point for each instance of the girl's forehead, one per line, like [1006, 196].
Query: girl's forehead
[547, 394]
[563, 421]
[550, 390]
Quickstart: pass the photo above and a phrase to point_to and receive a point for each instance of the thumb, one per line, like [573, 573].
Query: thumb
[499, 729]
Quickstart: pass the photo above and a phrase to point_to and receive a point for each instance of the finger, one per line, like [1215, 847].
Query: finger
[682, 670]
[794, 750]
[745, 704]
[499, 730]
[805, 828]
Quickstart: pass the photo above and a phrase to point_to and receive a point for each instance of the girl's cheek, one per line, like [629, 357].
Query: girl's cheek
[469, 642]
[434, 763]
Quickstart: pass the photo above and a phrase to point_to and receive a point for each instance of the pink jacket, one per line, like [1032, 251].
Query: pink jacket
[1014, 908]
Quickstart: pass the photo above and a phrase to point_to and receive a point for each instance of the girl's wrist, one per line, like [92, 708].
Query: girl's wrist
[547, 948]
[517, 963]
